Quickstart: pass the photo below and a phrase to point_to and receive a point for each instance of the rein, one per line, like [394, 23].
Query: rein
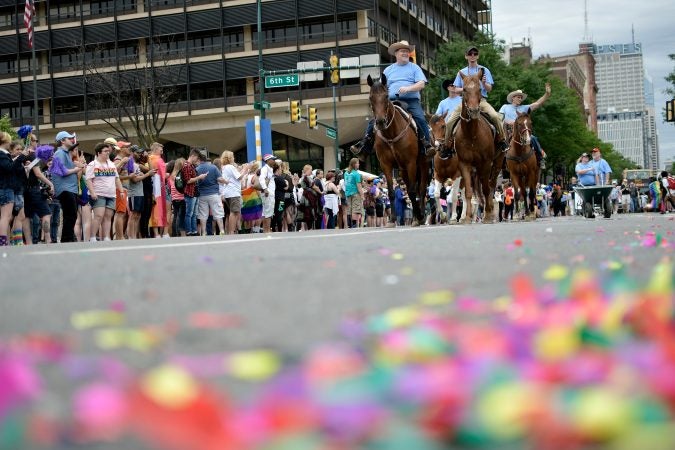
[526, 156]
[391, 142]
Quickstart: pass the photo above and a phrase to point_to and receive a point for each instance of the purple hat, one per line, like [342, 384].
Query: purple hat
[268, 157]
[44, 152]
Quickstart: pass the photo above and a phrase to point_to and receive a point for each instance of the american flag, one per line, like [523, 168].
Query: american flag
[28, 14]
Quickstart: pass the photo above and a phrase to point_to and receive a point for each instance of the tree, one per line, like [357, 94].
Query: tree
[670, 90]
[560, 124]
[136, 99]
[6, 126]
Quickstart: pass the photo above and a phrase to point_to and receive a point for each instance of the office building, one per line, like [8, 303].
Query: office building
[209, 52]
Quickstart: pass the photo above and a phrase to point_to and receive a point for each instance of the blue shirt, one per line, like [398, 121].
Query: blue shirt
[588, 178]
[352, 179]
[399, 75]
[602, 169]
[399, 201]
[473, 71]
[511, 111]
[448, 105]
[62, 182]
[209, 185]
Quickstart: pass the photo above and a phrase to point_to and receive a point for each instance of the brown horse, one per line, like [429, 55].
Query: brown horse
[522, 163]
[476, 149]
[396, 146]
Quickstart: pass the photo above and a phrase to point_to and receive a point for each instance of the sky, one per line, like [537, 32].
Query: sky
[556, 27]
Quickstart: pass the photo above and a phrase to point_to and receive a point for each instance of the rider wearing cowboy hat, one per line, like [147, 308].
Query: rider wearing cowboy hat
[514, 106]
[405, 80]
[451, 102]
[486, 84]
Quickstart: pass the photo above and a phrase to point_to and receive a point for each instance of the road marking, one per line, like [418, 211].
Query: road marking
[263, 238]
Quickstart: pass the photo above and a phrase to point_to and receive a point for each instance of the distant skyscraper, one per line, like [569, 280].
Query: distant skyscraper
[625, 103]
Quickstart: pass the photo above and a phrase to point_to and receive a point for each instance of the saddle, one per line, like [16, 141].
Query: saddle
[403, 109]
[485, 117]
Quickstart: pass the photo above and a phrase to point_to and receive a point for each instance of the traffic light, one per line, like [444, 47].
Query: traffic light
[334, 71]
[295, 111]
[312, 117]
[670, 110]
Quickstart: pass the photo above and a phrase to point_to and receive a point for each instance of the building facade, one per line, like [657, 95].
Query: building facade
[210, 53]
[623, 103]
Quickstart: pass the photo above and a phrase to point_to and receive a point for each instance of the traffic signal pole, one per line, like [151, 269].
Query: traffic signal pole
[261, 70]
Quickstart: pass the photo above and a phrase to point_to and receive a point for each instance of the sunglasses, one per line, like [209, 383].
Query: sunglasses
[473, 53]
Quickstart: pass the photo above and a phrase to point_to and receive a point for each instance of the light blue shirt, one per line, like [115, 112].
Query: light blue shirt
[448, 105]
[588, 178]
[602, 169]
[399, 75]
[473, 71]
[511, 111]
[62, 182]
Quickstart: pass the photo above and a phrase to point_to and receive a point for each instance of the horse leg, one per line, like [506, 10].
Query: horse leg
[452, 215]
[488, 197]
[388, 173]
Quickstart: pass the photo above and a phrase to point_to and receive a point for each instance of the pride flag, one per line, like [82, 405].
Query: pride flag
[251, 204]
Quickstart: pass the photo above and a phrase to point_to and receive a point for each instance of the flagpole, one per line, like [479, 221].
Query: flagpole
[36, 114]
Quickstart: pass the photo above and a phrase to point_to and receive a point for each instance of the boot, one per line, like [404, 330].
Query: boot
[448, 150]
[429, 149]
[365, 145]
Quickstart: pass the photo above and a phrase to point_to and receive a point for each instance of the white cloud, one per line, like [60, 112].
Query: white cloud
[557, 28]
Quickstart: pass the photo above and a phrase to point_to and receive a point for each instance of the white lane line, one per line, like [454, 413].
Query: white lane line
[265, 238]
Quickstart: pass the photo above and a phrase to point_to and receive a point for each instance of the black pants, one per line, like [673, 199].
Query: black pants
[278, 218]
[69, 207]
[148, 203]
[178, 222]
[501, 211]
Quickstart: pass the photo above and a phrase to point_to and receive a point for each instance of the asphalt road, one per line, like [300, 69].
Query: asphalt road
[291, 290]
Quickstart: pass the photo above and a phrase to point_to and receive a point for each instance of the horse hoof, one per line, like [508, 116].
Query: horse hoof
[415, 223]
[390, 225]
[488, 221]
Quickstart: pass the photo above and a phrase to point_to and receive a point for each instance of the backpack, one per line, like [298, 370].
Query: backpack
[508, 200]
[179, 182]
[671, 182]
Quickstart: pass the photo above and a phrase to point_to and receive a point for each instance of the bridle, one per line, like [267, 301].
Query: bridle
[388, 122]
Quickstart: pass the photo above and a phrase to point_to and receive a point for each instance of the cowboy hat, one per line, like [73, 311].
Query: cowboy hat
[447, 83]
[399, 45]
[509, 97]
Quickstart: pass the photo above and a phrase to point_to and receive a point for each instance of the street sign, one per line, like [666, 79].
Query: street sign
[331, 133]
[274, 81]
[265, 105]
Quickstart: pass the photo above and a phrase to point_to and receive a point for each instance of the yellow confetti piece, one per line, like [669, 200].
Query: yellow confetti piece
[661, 280]
[437, 297]
[502, 303]
[556, 272]
[602, 414]
[614, 265]
[554, 344]
[397, 256]
[96, 318]
[401, 317]
[407, 271]
[255, 365]
[170, 386]
[134, 339]
[504, 409]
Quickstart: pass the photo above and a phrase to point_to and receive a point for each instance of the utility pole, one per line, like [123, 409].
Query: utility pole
[261, 70]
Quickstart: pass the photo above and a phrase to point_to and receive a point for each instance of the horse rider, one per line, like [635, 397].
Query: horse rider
[405, 80]
[448, 104]
[515, 105]
[486, 84]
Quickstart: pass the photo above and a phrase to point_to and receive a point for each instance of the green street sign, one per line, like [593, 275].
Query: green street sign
[275, 81]
[265, 105]
[331, 133]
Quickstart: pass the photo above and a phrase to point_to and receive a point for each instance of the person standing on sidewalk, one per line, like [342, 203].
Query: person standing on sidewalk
[64, 177]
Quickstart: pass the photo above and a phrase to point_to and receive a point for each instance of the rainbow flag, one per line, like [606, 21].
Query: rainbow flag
[251, 204]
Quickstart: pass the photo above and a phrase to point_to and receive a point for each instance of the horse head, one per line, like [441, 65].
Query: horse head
[379, 101]
[522, 129]
[438, 127]
[472, 95]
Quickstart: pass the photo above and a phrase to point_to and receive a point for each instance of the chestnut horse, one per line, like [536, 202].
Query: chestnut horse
[445, 168]
[476, 149]
[396, 145]
[522, 163]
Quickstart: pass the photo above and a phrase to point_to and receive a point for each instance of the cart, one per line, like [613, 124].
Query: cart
[595, 199]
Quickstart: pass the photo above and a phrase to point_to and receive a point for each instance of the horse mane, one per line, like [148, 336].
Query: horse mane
[435, 118]
[378, 87]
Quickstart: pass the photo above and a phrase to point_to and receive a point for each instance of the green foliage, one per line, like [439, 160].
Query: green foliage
[6, 126]
[560, 123]
[670, 90]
